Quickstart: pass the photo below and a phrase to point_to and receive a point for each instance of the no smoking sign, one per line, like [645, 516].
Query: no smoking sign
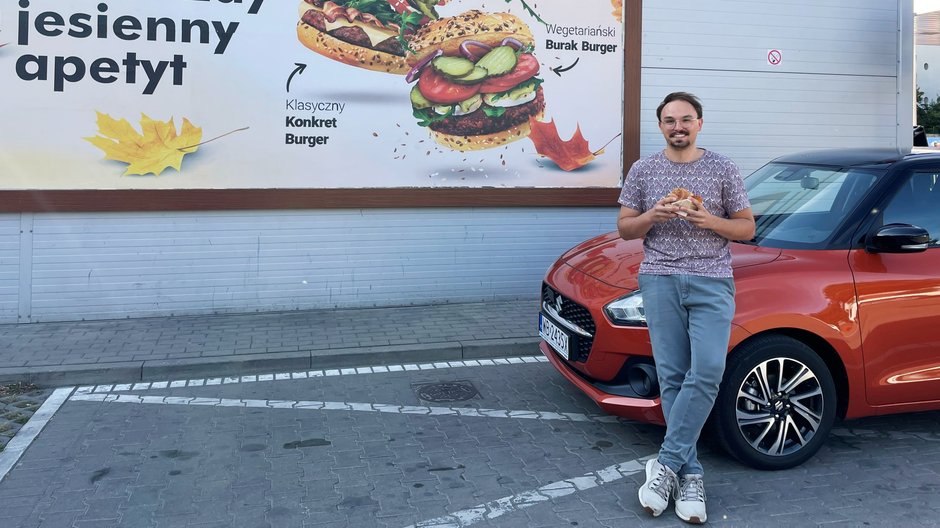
[774, 57]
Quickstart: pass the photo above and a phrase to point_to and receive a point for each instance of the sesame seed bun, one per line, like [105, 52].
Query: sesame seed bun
[448, 33]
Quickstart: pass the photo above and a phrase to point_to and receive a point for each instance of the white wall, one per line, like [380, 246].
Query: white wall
[836, 85]
[102, 266]
[928, 79]
[9, 267]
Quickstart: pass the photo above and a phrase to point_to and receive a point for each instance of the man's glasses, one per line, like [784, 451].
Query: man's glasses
[671, 123]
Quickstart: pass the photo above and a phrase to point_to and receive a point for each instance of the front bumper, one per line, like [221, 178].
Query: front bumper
[640, 409]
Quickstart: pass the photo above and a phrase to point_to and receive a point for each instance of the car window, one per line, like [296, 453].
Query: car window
[787, 192]
[916, 203]
[803, 204]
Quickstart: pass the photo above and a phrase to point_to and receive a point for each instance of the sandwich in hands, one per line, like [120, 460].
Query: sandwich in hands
[684, 198]
[371, 34]
[477, 83]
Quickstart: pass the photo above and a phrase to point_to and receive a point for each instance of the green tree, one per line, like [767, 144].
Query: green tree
[928, 112]
[920, 105]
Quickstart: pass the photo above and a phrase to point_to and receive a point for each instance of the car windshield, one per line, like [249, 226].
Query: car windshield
[796, 205]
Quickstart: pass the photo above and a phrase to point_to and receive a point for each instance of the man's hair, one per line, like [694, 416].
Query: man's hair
[680, 96]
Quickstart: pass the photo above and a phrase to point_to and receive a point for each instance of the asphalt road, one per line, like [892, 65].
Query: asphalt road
[488, 443]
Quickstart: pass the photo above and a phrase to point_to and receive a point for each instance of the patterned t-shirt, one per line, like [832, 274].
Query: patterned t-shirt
[676, 247]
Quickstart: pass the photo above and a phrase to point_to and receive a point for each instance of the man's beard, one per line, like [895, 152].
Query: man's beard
[680, 143]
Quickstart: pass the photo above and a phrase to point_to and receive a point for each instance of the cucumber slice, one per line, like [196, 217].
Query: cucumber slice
[468, 106]
[444, 110]
[452, 66]
[478, 74]
[418, 100]
[521, 94]
[523, 90]
[496, 101]
[500, 60]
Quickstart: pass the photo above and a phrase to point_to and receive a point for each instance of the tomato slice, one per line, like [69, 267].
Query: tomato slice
[400, 6]
[403, 7]
[437, 89]
[526, 67]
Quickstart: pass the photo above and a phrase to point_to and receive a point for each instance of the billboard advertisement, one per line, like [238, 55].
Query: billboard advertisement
[310, 94]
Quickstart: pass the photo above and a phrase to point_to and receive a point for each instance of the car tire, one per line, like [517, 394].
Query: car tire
[776, 405]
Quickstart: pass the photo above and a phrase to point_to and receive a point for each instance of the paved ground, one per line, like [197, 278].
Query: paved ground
[51, 355]
[55, 354]
[515, 446]
[263, 420]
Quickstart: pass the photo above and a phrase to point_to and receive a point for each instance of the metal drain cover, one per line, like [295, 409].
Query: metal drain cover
[448, 391]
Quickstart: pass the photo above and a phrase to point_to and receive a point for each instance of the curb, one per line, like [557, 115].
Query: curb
[158, 370]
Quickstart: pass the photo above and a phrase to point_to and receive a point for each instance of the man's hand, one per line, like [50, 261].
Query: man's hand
[664, 211]
[700, 218]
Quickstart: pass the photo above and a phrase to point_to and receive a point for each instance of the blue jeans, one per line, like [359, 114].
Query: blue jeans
[689, 320]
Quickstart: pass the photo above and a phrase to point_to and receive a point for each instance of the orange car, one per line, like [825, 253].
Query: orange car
[838, 307]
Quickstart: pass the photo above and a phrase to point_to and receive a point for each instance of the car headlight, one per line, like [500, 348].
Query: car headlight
[627, 310]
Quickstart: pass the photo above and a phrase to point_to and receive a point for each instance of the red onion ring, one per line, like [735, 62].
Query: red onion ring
[416, 70]
[469, 53]
[509, 41]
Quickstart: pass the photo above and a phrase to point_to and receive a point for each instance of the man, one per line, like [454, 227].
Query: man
[688, 290]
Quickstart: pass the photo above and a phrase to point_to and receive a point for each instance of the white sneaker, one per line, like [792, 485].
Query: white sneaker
[690, 500]
[660, 484]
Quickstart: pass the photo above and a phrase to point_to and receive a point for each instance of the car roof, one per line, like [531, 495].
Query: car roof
[853, 157]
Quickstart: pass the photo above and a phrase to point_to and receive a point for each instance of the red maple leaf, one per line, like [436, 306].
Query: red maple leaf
[568, 155]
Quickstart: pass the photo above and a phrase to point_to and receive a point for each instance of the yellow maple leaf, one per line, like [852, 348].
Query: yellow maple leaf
[156, 149]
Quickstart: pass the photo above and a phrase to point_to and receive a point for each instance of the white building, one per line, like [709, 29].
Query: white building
[775, 77]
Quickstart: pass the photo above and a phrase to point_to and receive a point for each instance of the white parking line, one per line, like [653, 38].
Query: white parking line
[505, 505]
[343, 406]
[460, 519]
[285, 376]
[25, 436]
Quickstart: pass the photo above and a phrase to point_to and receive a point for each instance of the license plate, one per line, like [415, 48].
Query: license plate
[555, 336]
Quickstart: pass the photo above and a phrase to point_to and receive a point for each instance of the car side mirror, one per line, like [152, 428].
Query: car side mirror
[898, 238]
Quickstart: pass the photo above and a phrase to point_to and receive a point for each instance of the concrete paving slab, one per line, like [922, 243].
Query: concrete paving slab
[127, 350]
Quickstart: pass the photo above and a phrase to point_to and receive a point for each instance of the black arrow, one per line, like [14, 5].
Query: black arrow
[559, 69]
[299, 69]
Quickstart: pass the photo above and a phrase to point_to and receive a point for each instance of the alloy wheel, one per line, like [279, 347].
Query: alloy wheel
[779, 406]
